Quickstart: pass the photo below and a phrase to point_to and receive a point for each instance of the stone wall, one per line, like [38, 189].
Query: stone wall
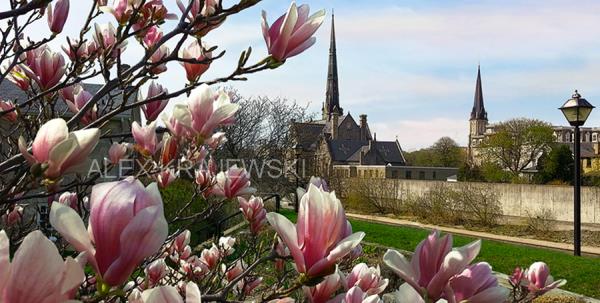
[516, 199]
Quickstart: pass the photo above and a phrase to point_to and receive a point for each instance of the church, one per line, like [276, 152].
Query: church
[341, 145]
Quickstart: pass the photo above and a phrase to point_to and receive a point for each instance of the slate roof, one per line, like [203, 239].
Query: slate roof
[350, 150]
[9, 91]
[308, 134]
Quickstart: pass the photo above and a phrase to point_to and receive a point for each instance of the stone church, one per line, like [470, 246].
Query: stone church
[338, 142]
[480, 128]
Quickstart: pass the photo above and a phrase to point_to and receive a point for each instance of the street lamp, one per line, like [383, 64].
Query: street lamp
[577, 110]
[298, 151]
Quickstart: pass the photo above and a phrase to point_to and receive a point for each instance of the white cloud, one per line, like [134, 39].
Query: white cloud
[414, 134]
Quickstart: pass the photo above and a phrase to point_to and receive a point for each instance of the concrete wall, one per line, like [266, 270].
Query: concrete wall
[519, 199]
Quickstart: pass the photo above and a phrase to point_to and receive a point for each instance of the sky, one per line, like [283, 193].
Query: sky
[411, 65]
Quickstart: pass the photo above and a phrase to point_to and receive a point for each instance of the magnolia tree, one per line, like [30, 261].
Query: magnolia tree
[110, 241]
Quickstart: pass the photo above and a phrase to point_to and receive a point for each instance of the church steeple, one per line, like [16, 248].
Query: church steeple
[478, 112]
[332, 98]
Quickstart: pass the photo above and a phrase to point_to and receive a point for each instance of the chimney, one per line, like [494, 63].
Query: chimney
[334, 123]
[374, 136]
[363, 127]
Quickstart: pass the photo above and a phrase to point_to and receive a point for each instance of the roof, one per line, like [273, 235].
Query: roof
[308, 134]
[350, 151]
[587, 149]
[9, 91]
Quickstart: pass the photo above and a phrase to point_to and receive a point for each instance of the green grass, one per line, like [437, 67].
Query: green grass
[582, 273]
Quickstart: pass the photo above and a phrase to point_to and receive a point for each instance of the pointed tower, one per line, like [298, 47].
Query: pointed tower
[332, 98]
[478, 121]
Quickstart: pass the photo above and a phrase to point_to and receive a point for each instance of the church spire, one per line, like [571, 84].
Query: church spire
[332, 99]
[478, 112]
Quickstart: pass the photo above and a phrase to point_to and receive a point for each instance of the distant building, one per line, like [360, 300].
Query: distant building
[480, 128]
[341, 145]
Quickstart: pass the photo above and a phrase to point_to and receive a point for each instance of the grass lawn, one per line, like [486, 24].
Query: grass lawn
[582, 273]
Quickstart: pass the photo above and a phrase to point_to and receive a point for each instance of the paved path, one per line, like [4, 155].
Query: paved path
[589, 250]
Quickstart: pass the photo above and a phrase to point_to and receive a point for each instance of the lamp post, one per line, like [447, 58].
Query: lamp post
[298, 151]
[577, 110]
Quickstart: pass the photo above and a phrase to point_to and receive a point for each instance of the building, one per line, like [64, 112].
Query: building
[480, 128]
[341, 145]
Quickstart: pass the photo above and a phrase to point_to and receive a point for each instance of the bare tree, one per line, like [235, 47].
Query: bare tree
[261, 139]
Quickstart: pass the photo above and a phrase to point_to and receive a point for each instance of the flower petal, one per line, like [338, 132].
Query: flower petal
[287, 232]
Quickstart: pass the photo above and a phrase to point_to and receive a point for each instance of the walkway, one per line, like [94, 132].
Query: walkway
[588, 250]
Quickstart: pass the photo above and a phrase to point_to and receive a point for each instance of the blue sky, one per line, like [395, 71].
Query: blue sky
[411, 65]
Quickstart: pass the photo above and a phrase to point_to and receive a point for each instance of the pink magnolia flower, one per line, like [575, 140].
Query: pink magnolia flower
[195, 51]
[76, 98]
[475, 284]
[155, 271]
[167, 294]
[145, 138]
[206, 111]
[322, 214]
[282, 251]
[226, 245]
[153, 35]
[179, 122]
[165, 177]
[233, 183]
[69, 199]
[170, 150]
[235, 271]
[117, 152]
[121, 9]
[13, 216]
[211, 257]
[209, 9]
[20, 77]
[369, 279]
[126, 225]
[106, 40]
[6, 106]
[357, 251]
[45, 67]
[37, 272]
[153, 109]
[433, 263]
[356, 295]
[162, 52]
[254, 211]
[153, 10]
[204, 178]
[248, 284]
[181, 241]
[58, 16]
[323, 291]
[76, 51]
[216, 140]
[517, 276]
[291, 34]
[539, 279]
[61, 151]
